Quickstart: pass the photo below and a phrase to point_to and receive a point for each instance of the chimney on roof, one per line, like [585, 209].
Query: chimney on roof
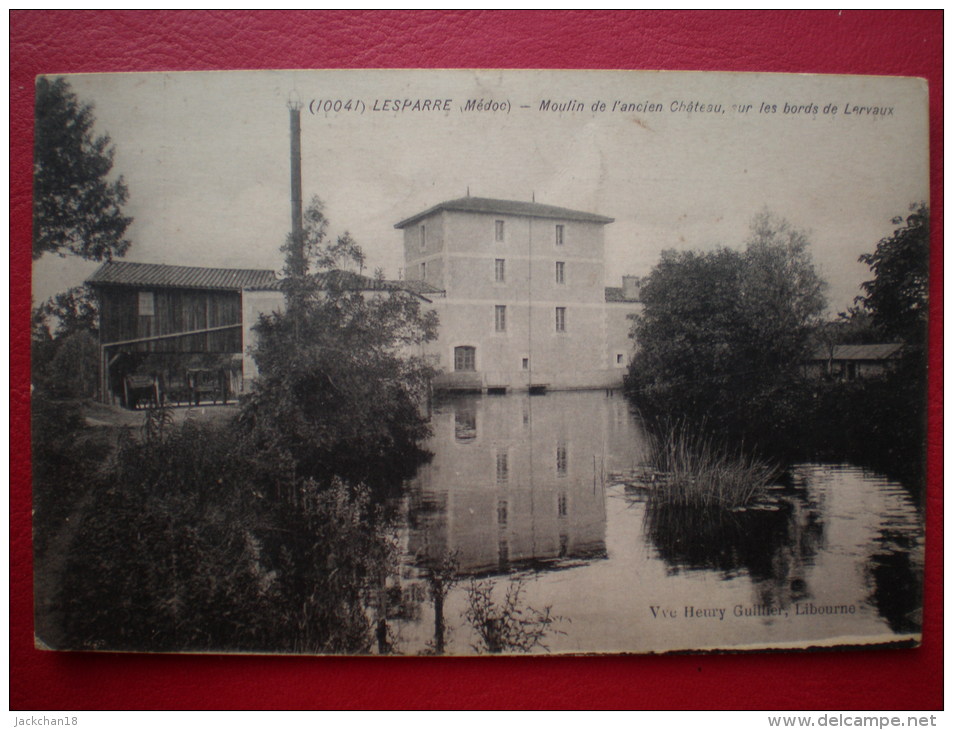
[632, 288]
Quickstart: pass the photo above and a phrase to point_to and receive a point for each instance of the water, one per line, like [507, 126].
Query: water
[539, 487]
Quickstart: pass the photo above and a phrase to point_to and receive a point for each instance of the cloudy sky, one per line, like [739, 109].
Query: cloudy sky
[206, 160]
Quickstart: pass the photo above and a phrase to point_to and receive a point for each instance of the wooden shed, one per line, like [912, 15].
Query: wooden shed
[853, 362]
[172, 333]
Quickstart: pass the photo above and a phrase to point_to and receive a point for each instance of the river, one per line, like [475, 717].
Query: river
[538, 489]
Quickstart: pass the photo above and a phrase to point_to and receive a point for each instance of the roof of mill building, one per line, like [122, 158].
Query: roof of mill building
[508, 207]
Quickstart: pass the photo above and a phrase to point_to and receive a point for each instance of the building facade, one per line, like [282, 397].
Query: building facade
[524, 304]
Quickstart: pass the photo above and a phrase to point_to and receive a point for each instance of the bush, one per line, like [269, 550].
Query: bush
[66, 455]
[508, 626]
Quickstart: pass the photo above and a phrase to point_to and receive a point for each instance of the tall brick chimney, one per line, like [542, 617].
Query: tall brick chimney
[297, 221]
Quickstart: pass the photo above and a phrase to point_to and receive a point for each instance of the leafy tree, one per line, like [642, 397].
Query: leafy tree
[340, 386]
[76, 207]
[782, 297]
[722, 332]
[74, 310]
[897, 297]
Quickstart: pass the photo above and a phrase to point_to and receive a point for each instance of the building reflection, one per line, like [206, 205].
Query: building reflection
[517, 480]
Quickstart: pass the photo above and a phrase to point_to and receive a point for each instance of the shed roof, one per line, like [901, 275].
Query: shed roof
[884, 351]
[508, 207]
[127, 273]
[615, 294]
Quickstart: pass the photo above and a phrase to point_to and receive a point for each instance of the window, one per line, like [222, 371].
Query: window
[464, 358]
[563, 504]
[502, 468]
[500, 318]
[423, 238]
[499, 230]
[562, 461]
[501, 512]
[560, 319]
[525, 363]
[560, 272]
[618, 359]
[147, 304]
[423, 271]
[559, 235]
[501, 270]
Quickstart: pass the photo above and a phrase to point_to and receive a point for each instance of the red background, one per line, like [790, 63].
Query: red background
[886, 43]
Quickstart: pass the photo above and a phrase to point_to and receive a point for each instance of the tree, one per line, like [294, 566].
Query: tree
[723, 331]
[898, 295]
[74, 310]
[341, 383]
[76, 207]
[65, 352]
[782, 297]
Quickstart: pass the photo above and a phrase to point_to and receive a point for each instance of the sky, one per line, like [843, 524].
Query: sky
[206, 159]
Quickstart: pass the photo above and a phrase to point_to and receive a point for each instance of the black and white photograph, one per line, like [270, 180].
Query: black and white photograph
[404, 362]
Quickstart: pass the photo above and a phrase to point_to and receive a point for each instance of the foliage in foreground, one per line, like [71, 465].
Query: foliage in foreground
[508, 625]
[66, 455]
[186, 545]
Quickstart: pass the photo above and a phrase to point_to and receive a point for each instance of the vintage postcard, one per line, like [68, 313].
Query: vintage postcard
[469, 362]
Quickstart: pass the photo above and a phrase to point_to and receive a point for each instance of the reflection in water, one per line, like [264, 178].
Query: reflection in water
[771, 542]
[536, 485]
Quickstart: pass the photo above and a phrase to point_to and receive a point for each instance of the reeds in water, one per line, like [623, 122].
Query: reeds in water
[697, 473]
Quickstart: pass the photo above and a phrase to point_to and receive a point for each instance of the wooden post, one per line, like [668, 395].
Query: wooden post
[103, 374]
